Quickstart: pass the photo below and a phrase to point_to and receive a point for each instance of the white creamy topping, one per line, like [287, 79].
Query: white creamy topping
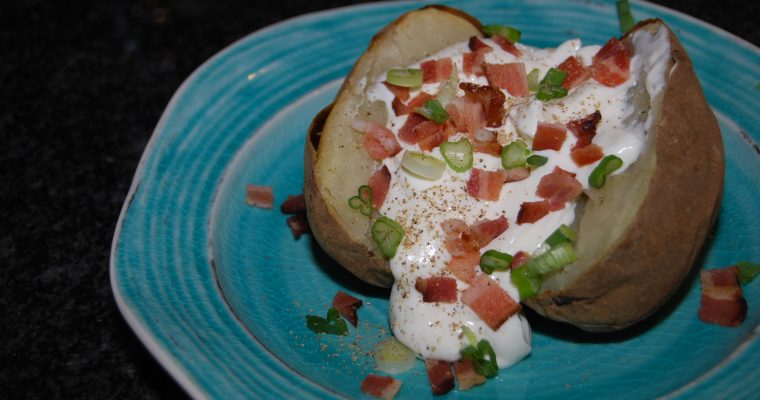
[434, 330]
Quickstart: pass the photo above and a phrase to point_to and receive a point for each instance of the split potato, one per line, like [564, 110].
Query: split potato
[638, 236]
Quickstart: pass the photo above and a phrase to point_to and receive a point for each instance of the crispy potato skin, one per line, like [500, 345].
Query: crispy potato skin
[660, 247]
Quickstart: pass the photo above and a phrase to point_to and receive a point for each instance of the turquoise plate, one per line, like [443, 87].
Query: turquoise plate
[218, 291]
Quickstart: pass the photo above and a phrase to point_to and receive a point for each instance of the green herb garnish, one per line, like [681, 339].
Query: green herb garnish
[333, 324]
[362, 201]
[747, 271]
[551, 86]
[493, 260]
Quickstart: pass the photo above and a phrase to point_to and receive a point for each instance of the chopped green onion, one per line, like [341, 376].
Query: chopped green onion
[470, 335]
[507, 32]
[757, 86]
[483, 358]
[563, 234]
[536, 160]
[493, 260]
[433, 111]
[551, 86]
[333, 324]
[406, 77]
[533, 79]
[392, 356]
[552, 260]
[625, 18]
[458, 155]
[423, 165]
[528, 283]
[362, 202]
[387, 234]
[747, 271]
[605, 167]
[514, 155]
[448, 90]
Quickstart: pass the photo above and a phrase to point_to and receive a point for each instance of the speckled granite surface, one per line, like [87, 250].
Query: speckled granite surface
[82, 85]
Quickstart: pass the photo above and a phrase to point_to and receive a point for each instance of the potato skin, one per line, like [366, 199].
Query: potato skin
[657, 252]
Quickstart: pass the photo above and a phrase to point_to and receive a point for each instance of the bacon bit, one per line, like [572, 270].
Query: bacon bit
[576, 72]
[466, 114]
[485, 185]
[476, 44]
[586, 155]
[484, 231]
[490, 98]
[462, 244]
[382, 387]
[407, 133]
[378, 140]
[549, 136]
[379, 182]
[532, 211]
[437, 289]
[510, 76]
[418, 101]
[298, 225]
[723, 301]
[558, 187]
[490, 302]
[584, 129]
[259, 196]
[472, 62]
[347, 306]
[430, 135]
[465, 267]
[400, 92]
[293, 204]
[439, 375]
[466, 375]
[519, 259]
[611, 65]
[485, 141]
[506, 45]
[436, 70]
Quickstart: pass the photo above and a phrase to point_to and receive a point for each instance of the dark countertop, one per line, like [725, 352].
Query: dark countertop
[83, 85]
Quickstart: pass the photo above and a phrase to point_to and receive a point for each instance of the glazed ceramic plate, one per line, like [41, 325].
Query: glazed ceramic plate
[218, 290]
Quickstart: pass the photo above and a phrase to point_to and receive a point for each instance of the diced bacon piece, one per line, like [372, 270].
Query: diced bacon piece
[378, 140]
[407, 133]
[576, 72]
[472, 62]
[489, 301]
[401, 108]
[439, 375]
[454, 226]
[490, 98]
[549, 136]
[585, 129]
[486, 230]
[437, 70]
[429, 134]
[380, 182]
[611, 65]
[298, 225]
[587, 155]
[532, 211]
[402, 93]
[488, 147]
[722, 299]
[465, 267]
[437, 289]
[485, 185]
[466, 375]
[558, 187]
[476, 44]
[293, 204]
[506, 45]
[519, 259]
[382, 387]
[259, 196]
[515, 174]
[461, 244]
[511, 77]
[347, 306]
[466, 114]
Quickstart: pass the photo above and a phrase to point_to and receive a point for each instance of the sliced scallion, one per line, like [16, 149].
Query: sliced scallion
[423, 165]
[608, 165]
[458, 155]
[333, 324]
[493, 260]
[514, 155]
[387, 234]
[561, 235]
[527, 283]
[406, 77]
[552, 260]
[625, 18]
[434, 111]
[448, 90]
[362, 201]
[483, 358]
[533, 79]
[551, 86]
[536, 160]
[747, 271]
[505, 31]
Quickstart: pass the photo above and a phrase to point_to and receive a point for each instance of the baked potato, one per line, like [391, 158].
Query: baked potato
[638, 236]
